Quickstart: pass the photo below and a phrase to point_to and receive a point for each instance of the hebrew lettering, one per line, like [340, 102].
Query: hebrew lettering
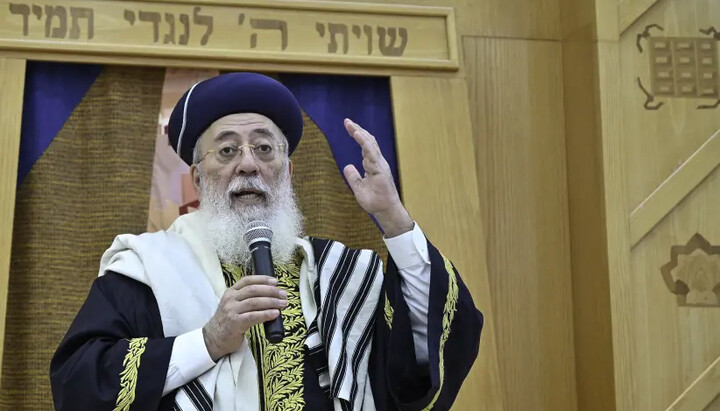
[368, 33]
[185, 37]
[155, 19]
[181, 22]
[386, 42]
[130, 17]
[37, 11]
[170, 37]
[78, 13]
[56, 11]
[56, 20]
[203, 20]
[334, 29]
[24, 10]
[269, 24]
[66, 22]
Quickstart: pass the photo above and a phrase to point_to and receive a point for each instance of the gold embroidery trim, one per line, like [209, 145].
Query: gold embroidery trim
[283, 362]
[448, 315]
[232, 274]
[129, 375]
[281, 383]
[389, 312]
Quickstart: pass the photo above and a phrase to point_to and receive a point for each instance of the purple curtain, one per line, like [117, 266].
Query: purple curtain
[365, 100]
[52, 91]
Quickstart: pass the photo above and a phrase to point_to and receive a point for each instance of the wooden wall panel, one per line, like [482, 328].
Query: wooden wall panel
[588, 226]
[660, 347]
[714, 405]
[12, 81]
[658, 141]
[630, 10]
[516, 100]
[672, 344]
[432, 126]
[703, 393]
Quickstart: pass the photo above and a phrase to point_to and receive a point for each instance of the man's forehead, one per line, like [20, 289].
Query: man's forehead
[241, 119]
[244, 123]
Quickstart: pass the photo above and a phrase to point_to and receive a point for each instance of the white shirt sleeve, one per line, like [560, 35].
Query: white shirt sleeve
[188, 360]
[410, 253]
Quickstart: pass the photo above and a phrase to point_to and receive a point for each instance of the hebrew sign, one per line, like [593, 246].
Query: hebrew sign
[394, 36]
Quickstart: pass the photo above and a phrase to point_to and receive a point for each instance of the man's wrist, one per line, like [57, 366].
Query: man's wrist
[210, 345]
[395, 221]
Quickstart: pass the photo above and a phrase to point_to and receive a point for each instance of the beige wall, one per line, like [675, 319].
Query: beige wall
[517, 112]
[513, 64]
[643, 190]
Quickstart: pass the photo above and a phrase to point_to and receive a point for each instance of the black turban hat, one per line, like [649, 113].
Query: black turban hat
[217, 97]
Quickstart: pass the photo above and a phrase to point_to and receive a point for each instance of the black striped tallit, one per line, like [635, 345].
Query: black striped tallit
[346, 292]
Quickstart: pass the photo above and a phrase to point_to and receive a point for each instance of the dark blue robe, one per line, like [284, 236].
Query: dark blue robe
[115, 355]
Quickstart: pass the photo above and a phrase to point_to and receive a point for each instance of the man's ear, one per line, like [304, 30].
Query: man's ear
[195, 175]
[290, 167]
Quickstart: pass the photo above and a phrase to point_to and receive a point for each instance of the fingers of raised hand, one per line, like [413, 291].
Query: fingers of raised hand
[371, 149]
[367, 141]
[352, 176]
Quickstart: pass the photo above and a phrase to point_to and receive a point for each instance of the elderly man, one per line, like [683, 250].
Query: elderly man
[175, 318]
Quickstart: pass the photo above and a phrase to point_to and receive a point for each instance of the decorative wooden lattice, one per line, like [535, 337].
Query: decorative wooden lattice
[681, 67]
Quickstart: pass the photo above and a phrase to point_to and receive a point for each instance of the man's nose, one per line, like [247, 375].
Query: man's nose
[246, 163]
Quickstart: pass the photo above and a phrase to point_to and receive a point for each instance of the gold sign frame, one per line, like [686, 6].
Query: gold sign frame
[282, 36]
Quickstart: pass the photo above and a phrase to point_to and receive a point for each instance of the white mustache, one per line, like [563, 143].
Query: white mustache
[247, 183]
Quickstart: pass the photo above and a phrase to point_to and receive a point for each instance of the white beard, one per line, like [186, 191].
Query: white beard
[226, 227]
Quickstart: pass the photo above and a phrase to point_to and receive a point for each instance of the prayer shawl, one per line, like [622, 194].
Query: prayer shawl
[339, 294]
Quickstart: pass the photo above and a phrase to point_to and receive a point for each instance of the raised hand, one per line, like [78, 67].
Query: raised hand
[375, 192]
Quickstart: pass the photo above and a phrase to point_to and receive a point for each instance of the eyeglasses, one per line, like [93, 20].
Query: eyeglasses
[226, 153]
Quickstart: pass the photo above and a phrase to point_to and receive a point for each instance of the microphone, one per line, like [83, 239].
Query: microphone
[258, 237]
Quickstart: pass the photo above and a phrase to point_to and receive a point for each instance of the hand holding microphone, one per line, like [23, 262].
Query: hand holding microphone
[258, 237]
[253, 300]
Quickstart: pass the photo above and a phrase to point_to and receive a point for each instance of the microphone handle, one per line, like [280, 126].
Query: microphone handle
[263, 265]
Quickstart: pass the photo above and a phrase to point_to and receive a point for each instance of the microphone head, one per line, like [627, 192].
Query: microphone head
[257, 231]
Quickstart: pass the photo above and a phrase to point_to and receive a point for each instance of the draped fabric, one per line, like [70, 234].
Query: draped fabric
[52, 91]
[330, 99]
[366, 100]
[91, 183]
[326, 201]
